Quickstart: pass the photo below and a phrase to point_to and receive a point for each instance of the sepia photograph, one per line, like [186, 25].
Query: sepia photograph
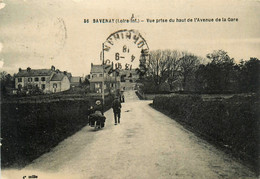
[148, 89]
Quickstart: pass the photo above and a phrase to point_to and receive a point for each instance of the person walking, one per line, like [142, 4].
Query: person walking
[116, 105]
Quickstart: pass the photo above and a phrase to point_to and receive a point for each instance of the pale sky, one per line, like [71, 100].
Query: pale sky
[39, 34]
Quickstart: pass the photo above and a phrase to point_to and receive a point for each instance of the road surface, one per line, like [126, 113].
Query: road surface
[147, 144]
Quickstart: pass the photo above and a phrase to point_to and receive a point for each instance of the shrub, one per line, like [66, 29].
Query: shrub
[30, 129]
[232, 122]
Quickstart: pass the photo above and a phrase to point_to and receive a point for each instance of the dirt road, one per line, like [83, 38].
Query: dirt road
[147, 144]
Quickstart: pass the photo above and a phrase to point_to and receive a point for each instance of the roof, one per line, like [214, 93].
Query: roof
[96, 79]
[69, 75]
[99, 68]
[107, 79]
[75, 79]
[58, 77]
[32, 73]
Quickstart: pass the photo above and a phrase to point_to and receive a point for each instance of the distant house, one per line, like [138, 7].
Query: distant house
[75, 81]
[59, 82]
[128, 79]
[48, 80]
[111, 82]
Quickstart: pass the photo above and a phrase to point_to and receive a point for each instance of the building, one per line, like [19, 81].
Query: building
[48, 80]
[76, 81]
[59, 82]
[111, 81]
[128, 79]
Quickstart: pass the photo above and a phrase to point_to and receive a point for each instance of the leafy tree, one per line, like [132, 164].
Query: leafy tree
[218, 75]
[85, 82]
[7, 81]
[249, 77]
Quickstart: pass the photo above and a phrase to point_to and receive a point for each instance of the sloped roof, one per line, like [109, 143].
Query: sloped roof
[32, 73]
[58, 77]
[96, 79]
[99, 68]
[107, 79]
[69, 75]
[75, 79]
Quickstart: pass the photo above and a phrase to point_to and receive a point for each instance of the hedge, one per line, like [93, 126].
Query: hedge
[231, 122]
[31, 129]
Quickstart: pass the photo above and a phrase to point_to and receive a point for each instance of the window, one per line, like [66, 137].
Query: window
[123, 78]
[36, 79]
[20, 87]
[54, 85]
[43, 78]
[43, 86]
[97, 85]
[20, 79]
[100, 75]
[29, 79]
[94, 75]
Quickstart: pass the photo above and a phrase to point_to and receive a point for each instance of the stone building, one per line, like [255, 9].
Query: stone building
[111, 81]
[48, 80]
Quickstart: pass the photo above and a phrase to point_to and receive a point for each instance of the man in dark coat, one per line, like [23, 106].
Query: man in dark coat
[116, 105]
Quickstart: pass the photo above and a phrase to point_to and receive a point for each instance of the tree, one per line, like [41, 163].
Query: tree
[85, 82]
[163, 66]
[219, 57]
[249, 77]
[142, 70]
[172, 67]
[188, 66]
[219, 73]
[7, 81]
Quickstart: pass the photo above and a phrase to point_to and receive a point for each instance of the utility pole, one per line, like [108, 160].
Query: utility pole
[115, 83]
[103, 80]
[157, 71]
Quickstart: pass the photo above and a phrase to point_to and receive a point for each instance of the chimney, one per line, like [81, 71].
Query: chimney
[53, 68]
[91, 64]
[28, 69]
[65, 73]
[20, 69]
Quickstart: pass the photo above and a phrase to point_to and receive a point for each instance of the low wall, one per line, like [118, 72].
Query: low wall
[144, 96]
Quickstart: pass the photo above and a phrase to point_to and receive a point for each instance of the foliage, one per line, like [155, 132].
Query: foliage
[249, 75]
[85, 82]
[231, 122]
[172, 67]
[31, 129]
[142, 70]
[185, 72]
[6, 82]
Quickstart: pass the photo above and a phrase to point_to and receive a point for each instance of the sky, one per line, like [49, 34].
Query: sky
[39, 34]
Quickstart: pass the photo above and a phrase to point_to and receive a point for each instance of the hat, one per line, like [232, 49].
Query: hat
[98, 102]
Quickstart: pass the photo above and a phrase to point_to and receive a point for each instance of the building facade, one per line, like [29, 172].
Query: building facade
[128, 79]
[111, 81]
[47, 80]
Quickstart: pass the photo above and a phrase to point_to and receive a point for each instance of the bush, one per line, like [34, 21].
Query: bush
[232, 122]
[30, 129]
[164, 87]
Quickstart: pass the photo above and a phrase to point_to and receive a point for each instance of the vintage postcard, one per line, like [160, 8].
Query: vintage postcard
[129, 89]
